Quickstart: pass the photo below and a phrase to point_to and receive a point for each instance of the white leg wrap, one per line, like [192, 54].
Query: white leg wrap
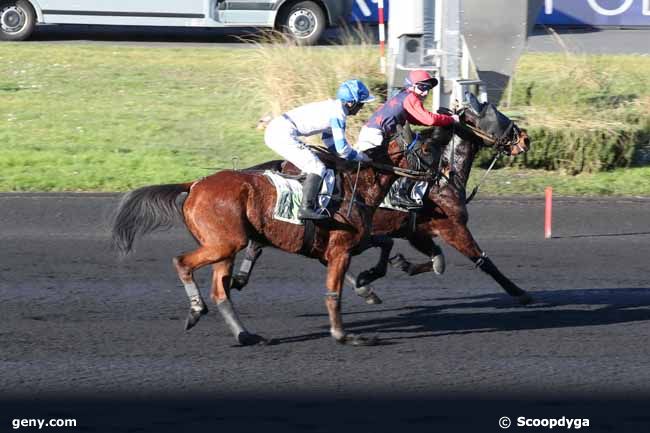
[338, 334]
[363, 291]
[192, 291]
[230, 317]
[196, 302]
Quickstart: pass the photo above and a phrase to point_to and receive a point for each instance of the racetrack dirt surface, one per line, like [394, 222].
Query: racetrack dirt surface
[76, 321]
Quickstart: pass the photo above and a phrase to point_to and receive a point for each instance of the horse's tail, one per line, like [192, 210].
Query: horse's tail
[144, 210]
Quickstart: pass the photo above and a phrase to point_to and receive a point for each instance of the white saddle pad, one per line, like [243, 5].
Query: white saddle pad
[289, 196]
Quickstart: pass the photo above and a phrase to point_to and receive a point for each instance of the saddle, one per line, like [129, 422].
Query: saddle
[289, 194]
[404, 188]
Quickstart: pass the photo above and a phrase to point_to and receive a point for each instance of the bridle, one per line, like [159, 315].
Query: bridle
[503, 145]
[509, 139]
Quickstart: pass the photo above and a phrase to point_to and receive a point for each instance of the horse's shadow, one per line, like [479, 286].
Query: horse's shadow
[496, 313]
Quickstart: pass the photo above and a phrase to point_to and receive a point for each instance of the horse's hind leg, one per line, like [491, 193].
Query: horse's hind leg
[221, 275]
[426, 245]
[197, 305]
[185, 266]
[252, 253]
[459, 237]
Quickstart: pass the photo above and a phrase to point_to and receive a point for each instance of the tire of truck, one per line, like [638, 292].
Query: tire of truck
[17, 20]
[304, 22]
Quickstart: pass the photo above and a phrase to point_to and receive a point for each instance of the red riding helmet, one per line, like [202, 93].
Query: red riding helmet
[420, 76]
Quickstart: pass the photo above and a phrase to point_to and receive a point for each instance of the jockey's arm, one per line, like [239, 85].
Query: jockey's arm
[335, 140]
[421, 116]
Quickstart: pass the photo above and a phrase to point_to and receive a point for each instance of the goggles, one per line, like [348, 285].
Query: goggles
[423, 87]
[355, 107]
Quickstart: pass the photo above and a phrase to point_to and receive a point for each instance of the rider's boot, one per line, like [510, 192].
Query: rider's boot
[310, 189]
[403, 196]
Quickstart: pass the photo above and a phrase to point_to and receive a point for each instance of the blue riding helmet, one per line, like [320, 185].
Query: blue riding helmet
[354, 91]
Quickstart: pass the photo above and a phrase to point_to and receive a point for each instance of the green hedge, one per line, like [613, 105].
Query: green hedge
[583, 113]
[576, 150]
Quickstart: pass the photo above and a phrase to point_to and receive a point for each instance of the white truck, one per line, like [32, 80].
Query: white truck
[304, 20]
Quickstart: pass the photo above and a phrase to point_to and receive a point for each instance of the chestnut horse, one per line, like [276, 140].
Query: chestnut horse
[443, 215]
[227, 209]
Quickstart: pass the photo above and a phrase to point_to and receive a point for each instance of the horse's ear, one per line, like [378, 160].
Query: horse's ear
[474, 103]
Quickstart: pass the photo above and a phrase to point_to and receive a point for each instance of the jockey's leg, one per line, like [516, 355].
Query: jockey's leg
[282, 139]
[403, 197]
[309, 205]
[369, 138]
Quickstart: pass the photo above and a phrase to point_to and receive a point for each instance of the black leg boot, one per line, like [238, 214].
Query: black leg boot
[403, 196]
[310, 198]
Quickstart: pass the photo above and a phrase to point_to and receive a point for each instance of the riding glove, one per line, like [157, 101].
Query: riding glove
[362, 157]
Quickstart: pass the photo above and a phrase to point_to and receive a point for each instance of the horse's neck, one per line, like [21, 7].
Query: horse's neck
[464, 152]
[372, 185]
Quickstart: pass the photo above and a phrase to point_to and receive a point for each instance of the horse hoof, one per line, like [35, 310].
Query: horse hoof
[248, 339]
[364, 279]
[398, 261]
[357, 340]
[373, 299]
[439, 264]
[524, 299]
[194, 316]
[238, 282]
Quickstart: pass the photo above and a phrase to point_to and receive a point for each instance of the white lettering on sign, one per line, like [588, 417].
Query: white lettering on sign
[610, 12]
[364, 8]
[548, 7]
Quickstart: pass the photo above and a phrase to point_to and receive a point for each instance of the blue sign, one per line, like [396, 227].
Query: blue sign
[554, 12]
[366, 11]
[595, 12]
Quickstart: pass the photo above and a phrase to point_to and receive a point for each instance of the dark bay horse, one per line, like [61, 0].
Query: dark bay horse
[227, 209]
[444, 213]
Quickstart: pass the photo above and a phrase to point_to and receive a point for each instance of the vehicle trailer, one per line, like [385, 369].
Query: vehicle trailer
[304, 20]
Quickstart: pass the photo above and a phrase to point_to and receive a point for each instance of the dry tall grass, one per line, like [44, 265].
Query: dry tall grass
[288, 75]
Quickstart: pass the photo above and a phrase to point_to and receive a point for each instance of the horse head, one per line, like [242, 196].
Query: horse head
[497, 128]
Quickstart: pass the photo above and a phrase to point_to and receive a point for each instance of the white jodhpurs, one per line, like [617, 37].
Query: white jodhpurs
[369, 138]
[281, 136]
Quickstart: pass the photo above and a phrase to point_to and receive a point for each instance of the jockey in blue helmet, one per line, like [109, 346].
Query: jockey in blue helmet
[327, 118]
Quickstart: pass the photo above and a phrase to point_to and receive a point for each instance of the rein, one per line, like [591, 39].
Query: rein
[386, 168]
[478, 185]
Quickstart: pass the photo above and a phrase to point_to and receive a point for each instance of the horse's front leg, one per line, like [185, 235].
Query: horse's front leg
[425, 244]
[458, 236]
[338, 263]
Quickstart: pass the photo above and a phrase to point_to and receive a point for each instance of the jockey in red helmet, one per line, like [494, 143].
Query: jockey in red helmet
[405, 106]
